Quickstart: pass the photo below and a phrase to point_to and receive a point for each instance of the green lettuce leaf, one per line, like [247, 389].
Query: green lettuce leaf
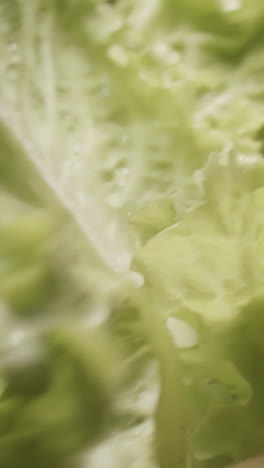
[131, 222]
[208, 265]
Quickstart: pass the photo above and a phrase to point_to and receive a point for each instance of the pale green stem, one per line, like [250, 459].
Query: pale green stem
[171, 434]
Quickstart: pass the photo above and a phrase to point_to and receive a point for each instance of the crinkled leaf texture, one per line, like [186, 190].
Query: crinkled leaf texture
[207, 270]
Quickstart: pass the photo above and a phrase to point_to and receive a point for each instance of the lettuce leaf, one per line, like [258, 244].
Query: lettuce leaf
[202, 267]
[131, 232]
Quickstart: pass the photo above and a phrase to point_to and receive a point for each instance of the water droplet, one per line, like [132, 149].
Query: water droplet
[12, 46]
[17, 337]
[230, 5]
[184, 336]
[118, 55]
[137, 278]
[124, 138]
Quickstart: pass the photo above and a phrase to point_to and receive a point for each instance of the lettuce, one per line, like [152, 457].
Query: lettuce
[131, 232]
[200, 271]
